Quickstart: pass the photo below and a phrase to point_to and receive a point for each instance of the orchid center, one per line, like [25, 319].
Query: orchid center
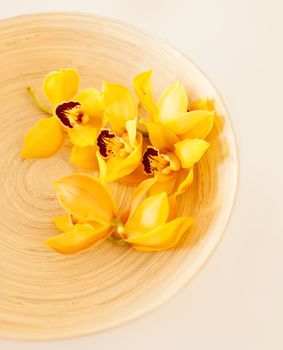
[154, 162]
[71, 113]
[109, 144]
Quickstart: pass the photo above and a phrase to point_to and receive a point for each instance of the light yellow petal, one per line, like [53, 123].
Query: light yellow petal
[61, 85]
[190, 151]
[152, 212]
[120, 106]
[195, 124]
[43, 139]
[143, 88]
[172, 102]
[160, 136]
[83, 135]
[63, 223]
[140, 193]
[84, 157]
[91, 100]
[205, 104]
[137, 197]
[86, 198]
[118, 166]
[163, 237]
[131, 127]
[184, 181]
[81, 237]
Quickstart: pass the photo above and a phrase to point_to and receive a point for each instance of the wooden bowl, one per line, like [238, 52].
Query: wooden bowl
[45, 295]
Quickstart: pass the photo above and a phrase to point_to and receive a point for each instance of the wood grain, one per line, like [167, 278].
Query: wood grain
[44, 295]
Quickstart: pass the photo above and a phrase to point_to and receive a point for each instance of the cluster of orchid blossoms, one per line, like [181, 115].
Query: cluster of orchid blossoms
[156, 154]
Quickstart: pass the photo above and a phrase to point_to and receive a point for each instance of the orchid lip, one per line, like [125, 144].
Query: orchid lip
[153, 161]
[62, 111]
[108, 143]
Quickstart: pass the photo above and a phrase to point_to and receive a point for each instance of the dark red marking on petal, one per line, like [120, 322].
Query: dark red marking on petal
[147, 159]
[109, 144]
[61, 112]
[101, 141]
[153, 161]
[80, 117]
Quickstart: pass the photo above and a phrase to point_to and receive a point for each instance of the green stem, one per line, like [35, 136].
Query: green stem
[115, 238]
[38, 103]
[117, 241]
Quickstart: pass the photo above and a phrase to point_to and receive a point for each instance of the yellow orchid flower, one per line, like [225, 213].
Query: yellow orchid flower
[78, 114]
[120, 148]
[149, 228]
[146, 224]
[177, 130]
[173, 110]
[170, 159]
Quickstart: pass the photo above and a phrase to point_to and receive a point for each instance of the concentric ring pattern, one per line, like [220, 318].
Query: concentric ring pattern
[44, 295]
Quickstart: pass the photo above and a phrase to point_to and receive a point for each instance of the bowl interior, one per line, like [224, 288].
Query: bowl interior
[46, 295]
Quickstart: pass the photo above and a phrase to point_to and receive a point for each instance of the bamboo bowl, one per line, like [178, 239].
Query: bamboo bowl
[44, 295]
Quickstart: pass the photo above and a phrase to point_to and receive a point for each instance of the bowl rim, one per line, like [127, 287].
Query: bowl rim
[185, 280]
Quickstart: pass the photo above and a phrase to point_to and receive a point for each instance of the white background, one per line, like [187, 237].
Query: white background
[236, 301]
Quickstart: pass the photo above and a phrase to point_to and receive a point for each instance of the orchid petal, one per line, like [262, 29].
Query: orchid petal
[195, 124]
[137, 197]
[92, 101]
[175, 164]
[61, 85]
[63, 223]
[172, 102]
[155, 162]
[140, 193]
[83, 135]
[160, 136]
[102, 167]
[93, 105]
[205, 104]
[84, 157]
[43, 139]
[81, 237]
[134, 178]
[131, 127]
[143, 88]
[190, 151]
[165, 183]
[184, 181]
[86, 198]
[163, 237]
[120, 106]
[152, 212]
[173, 214]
